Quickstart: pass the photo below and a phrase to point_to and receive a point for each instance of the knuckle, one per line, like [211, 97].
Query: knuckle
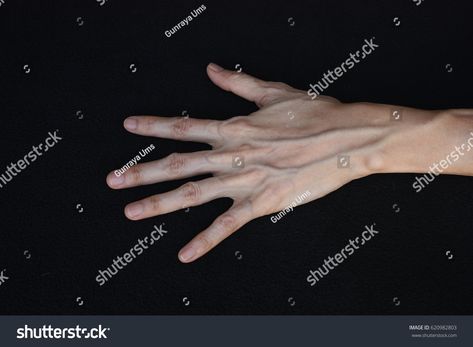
[234, 77]
[136, 174]
[191, 191]
[264, 99]
[272, 196]
[149, 123]
[154, 202]
[180, 126]
[176, 163]
[205, 242]
[272, 93]
[226, 222]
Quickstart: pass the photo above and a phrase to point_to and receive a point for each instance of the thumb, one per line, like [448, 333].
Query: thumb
[241, 84]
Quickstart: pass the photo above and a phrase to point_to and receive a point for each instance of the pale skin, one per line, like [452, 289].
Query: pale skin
[291, 145]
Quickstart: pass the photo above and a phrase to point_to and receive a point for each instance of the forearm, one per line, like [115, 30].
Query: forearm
[422, 141]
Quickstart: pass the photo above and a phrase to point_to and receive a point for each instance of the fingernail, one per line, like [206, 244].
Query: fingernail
[130, 123]
[115, 180]
[215, 67]
[186, 254]
[134, 210]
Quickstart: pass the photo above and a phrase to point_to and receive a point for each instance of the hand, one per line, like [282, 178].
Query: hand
[292, 146]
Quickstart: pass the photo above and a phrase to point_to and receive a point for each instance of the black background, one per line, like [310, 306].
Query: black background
[87, 67]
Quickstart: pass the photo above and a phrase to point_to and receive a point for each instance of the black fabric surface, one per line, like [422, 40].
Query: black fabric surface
[52, 253]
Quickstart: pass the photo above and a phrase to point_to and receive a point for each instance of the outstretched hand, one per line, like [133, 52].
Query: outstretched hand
[262, 161]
